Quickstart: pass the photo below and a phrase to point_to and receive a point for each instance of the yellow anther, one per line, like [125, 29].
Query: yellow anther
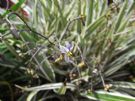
[69, 54]
[81, 64]
[59, 59]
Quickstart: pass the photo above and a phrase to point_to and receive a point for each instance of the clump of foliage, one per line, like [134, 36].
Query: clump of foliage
[69, 51]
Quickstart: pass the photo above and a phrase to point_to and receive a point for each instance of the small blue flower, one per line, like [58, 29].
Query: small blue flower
[66, 50]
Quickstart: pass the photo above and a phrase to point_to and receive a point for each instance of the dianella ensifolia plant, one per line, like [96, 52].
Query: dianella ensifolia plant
[83, 46]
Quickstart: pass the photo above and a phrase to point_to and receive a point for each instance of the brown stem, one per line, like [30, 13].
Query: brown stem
[30, 27]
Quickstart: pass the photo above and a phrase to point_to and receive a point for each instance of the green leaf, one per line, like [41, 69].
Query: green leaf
[48, 69]
[61, 90]
[35, 14]
[11, 49]
[15, 7]
[112, 96]
[78, 13]
[93, 27]
[89, 11]
[31, 95]
[103, 5]
[49, 86]
[124, 84]
[120, 16]
[18, 5]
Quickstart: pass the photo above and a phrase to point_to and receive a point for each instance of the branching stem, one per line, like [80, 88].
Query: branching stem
[68, 25]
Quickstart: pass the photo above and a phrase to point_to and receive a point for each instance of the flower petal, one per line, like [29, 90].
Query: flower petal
[63, 49]
[68, 45]
[67, 59]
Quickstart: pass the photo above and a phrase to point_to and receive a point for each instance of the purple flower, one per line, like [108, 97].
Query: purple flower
[66, 50]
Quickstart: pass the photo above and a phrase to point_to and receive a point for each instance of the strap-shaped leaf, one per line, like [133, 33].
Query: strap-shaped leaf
[111, 96]
[93, 27]
[89, 11]
[120, 17]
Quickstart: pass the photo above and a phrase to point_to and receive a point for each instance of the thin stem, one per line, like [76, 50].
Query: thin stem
[67, 27]
[29, 26]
